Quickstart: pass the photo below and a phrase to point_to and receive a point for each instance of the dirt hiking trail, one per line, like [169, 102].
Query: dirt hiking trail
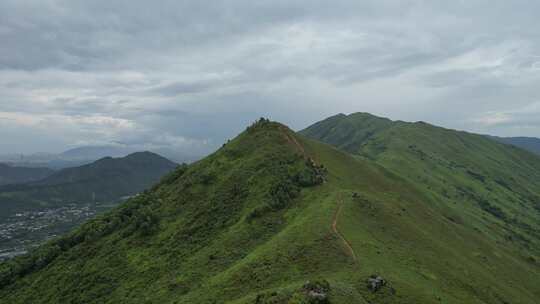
[350, 250]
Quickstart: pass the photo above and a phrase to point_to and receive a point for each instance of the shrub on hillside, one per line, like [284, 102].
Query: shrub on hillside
[492, 209]
[172, 177]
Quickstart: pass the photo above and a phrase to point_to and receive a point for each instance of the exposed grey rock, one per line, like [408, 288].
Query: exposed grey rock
[320, 296]
[375, 283]
[317, 292]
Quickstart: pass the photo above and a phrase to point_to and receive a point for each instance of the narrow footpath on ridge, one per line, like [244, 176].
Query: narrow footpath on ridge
[350, 250]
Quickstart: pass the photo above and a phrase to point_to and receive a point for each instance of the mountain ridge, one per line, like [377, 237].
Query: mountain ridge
[344, 121]
[105, 180]
[252, 222]
[531, 144]
[74, 174]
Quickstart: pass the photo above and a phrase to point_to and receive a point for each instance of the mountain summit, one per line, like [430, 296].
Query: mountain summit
[400, 213]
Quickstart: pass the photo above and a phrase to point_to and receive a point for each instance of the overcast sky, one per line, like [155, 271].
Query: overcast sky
[189, 74]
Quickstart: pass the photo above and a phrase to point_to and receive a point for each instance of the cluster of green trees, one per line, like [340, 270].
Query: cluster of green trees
[260, 123]
[298, 173]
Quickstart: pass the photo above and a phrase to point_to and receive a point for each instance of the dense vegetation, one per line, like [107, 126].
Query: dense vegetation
[435, 216]
[198, 222]
[105, 180]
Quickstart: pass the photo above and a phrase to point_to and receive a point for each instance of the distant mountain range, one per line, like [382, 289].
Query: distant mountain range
[531, 144]
[353, 209]
[17, 175]
[107, 179]
[95, 152]
[87, 154]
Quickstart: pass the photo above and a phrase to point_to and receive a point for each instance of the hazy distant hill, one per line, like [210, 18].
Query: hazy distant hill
[87, 154]
[443, 216]
[107, 179]
[528, 143]
[95, 152]
[17, 175]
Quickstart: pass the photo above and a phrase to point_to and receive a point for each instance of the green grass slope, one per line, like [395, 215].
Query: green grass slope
[475, 183]
[267, 212]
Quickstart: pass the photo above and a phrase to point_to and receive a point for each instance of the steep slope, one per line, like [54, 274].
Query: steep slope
[17, 175]
[530, 144]
[197, 230]
[270, 210]
[107, 179]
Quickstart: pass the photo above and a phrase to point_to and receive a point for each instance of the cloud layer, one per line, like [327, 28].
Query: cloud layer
[188, 75]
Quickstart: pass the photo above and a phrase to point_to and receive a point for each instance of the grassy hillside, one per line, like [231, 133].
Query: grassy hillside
[488, 187]
[271, 210]
[105, 180]
[465, 171]
[16, 175]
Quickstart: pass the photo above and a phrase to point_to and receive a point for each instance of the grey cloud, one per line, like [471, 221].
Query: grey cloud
[198, 72]
[180, 88]
[460, 78]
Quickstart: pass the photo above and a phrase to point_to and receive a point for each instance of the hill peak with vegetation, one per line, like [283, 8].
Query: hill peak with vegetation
[105, 180]
[275, 217]
[145, 165]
